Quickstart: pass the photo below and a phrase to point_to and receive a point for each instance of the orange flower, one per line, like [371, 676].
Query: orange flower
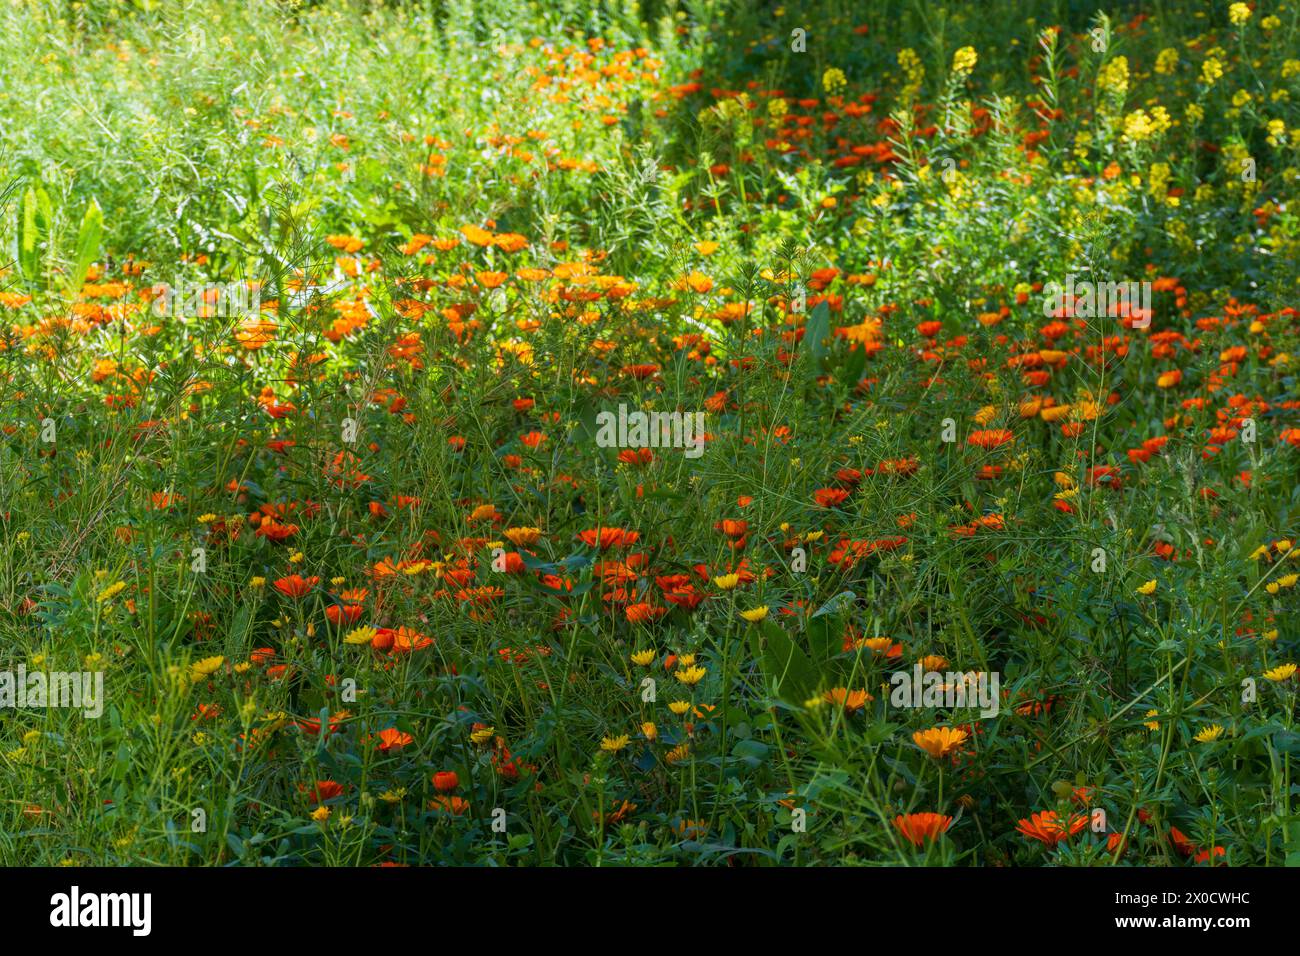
[939, 741]
[393, 739]
[918, 827]
[829, 497]
[990, 438]
[295, 585]
[1048, 829]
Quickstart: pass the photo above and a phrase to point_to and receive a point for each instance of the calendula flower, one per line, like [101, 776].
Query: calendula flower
[360, 635]
[206, 667]
[649, 730]
[614, 744]
[939, 741]
[680, 707]
[1048, 829]
[727, 581]
[1148, 588]
[643, 658]
[690, 676]
[1209, 734]
[755, 614]
[919, 827]
[1280, 673]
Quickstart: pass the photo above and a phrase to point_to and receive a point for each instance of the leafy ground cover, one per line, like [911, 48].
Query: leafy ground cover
[314, 321]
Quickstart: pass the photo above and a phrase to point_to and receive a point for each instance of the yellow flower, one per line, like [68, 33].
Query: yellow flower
[1288, 580]
[321, 813]
[1152, 724]
[482, 735]
[110, 592]
[690, 676]
[205, 667]
[1167, 60]
[939, 741]
[680, 707]
[614, 744]
[964, 60]
[1280, 673]
[1211, 70]
[521, 537]
[755, 614]
[834, 80]
[643, 658]
[649, 730]
[1209, 734]
[206, 519]
[360, 635]
[1238, 14]
[727, 581]
[1148, 588]
[257, 583]
[1113, 77]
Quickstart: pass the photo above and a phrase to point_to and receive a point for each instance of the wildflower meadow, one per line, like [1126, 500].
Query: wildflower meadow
[611, 433]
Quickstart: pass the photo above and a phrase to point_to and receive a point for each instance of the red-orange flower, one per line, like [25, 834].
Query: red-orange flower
[919, 827]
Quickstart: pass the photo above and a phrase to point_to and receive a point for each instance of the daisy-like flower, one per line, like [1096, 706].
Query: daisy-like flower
[614, 744]
[205, 667]
[1048, 829]
[1280, 673]
[939, 741]
[690, 676]
[919, 827]
[727, 581]
[360, 635]
[755, 614]
[1209, 734]
[1147, 588]
[679, 707]
[643, 658]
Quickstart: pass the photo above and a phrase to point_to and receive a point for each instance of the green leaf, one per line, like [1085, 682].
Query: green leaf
[788, 667]
[28, 237]
[92, 229]
[816, 330]
[851, 370]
